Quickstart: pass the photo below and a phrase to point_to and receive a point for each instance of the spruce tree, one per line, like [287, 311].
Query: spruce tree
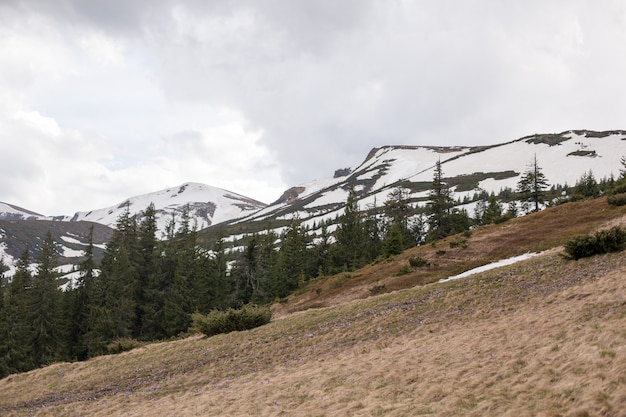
[46, 337]
[587, 186]
[493, 210]
[393, 241]
[439, 206]
[533, 184]
[16, 354]
[147, 270]
[350, 235]
[292, 264]
[83, 298]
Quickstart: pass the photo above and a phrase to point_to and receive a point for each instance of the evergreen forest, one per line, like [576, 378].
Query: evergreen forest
[147, 288]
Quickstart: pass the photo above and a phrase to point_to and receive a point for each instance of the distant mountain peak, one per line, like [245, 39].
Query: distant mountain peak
[207, 205]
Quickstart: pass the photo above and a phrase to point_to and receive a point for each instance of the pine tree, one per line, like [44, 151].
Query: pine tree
[146, 280]
[533, 184]
[393, 242]
[350, 236]
[292, 262]
[113, 312]
[46, 337]
[587, 186]
[214, 270]
[493, 210]
[16, 353]
[267, 267]
[439, 206]
[81, 303]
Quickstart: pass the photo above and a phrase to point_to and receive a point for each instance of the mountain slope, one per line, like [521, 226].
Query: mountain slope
[70, 240]
[11, 212]
[563, 157]
[207, 205]
[540, 337]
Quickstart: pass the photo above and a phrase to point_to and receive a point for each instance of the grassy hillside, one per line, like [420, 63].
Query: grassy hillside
[544, 336]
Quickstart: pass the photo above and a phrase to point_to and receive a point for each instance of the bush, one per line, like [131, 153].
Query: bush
[403, 270]
[619, 188]
[231, 320]
[604, 241]
[462, 243]
[377, 289]
[617, 199]
[123, 344]
[418, 262]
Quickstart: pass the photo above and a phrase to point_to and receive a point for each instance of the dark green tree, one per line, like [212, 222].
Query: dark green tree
[79, 301]
[493, 210]
[439, 207]
[15, 343]
[146, 276]
[393, 241]
[267, 267]
[45, 301]
[113, 315]
[350, 236]
[532, 185]
[587, 186]
[292, 265]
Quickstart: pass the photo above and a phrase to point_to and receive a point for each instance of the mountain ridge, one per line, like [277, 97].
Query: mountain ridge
[469, 171]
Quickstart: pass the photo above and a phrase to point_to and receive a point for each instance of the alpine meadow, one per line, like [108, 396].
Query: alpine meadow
[436, 301]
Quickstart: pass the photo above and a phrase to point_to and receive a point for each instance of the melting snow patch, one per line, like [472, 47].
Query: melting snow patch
[493, 265]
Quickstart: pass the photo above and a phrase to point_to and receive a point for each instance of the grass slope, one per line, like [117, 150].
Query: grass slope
[543, 337]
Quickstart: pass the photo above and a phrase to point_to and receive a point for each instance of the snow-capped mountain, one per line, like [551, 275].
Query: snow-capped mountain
[11, 212]
[563, 158]
[206, 205]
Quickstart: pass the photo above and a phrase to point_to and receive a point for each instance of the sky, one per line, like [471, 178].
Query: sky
[101, 100]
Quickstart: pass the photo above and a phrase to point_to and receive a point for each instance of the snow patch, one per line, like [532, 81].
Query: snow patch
[493, 265]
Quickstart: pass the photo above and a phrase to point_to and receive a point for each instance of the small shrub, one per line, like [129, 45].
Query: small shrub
[440, 252]
[619, 188]
[617, 199]
[418, 262]
[403, 270]
[123, 344]
[377, 289]
[462, 243]
[604, 241]
[339, 281]
[231, 320]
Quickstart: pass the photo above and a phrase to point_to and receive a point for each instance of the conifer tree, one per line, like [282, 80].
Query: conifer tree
[115, 316]
[245, 274]
[292, 262]
[393, 241]
[439, 206]
[350, 235]
[267, 267]
[16, 351]
[46, 337]
[147, 270]
[213, 270]
[493, 210]
[533, 184]
[587, 186]
[81, 305]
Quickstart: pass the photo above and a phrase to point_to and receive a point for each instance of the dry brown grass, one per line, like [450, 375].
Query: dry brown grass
[544, 337]
[533, 233]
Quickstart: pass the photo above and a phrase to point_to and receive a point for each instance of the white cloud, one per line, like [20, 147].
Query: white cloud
[107, 99]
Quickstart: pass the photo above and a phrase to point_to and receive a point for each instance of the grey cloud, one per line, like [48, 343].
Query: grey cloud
[328, 80]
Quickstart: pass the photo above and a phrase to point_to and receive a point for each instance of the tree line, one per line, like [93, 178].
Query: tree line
[147, 289]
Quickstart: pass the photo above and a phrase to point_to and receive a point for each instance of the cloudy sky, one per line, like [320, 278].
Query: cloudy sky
[105, 99]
